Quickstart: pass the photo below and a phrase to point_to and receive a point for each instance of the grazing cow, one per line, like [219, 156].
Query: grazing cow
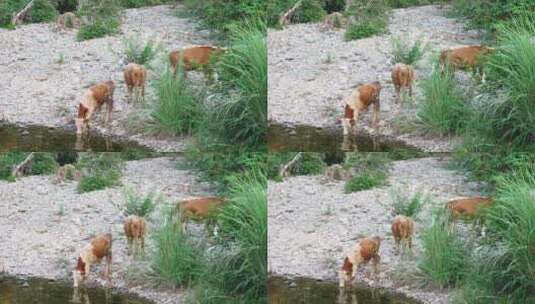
[361, 98]
[464, 57]
[92, 101]
[135, 77]
[365, 250]
[135, 228]
[402, 77]
[198, 208]
[98, 248]
[193, 57]
[402, 230]
[467, 207]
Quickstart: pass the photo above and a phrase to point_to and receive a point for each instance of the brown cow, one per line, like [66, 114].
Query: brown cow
[361, 98]
[193, 57]
[135, 78]
[464, 57]
[135, 228]
[198, 208]
[402, 230]
[92, 101]
[98, 248]
[402, 77]
[365, 250]
[467, 207]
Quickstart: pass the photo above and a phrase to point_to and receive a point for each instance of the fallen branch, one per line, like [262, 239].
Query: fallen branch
[286, 17]
[19, 169]
[17, 18]
[286, 169]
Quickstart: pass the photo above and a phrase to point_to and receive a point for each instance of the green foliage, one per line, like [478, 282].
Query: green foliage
[371, 18]
[222, 15]
[310, 163]
[370, 170]
[98, 29]
[240, 116]
[42, 11]
[139, 205]
[42, 163]
[365, 180]
[177, 109]
[403, 51]
[310, 11]
[444, 256]
[100, 170]
[140, 3]
[488, 14]
[407, 3]
[8, 8]
[139, 52]
[407, 205]
[103, 19]
[508, 115]
[443, 109]
[178, 257]
[64, 6]
[332, 6]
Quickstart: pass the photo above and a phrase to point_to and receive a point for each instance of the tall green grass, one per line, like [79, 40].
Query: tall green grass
[177, 109]
[240, 116]
[370, 18]
[140, 52]
[139, 205]
[407, 205]
[42, 163]
[103, 16]
[443, 109]
[371, 170]
[508, 115]
[405, 52]
[99, 171]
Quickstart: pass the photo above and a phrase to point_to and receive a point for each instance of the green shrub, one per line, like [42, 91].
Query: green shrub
[403, 51]
[42, 11]
[139, 52]
[8, 8]
[331, 6]
[371, 18]
[443, 109]
[509, 115]
[310, 11]
[42, 163]
[365, 180]
[64, 6]
[177, 108]
[222, 15]
[99, 170]
[98, 29]
[240, 117]
[444, 256]
[138, 205]
[310, 163]
[406, 205]
[103, 16]
[178, 259]
[407, 3]
[140, 3]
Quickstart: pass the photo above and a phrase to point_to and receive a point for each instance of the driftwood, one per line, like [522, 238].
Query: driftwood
[286, 17]
[287, 168]
[19, 17]
[19, 169]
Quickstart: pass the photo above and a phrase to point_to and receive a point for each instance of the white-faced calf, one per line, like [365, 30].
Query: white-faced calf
[92, 101]
[402, 78]
[361, 98]
[402, 230]
[94, 252]
[135, 228]
[365, 250]
[135, 78]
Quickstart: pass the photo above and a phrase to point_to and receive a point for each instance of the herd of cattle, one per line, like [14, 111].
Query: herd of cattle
[135, 229]
[402, 78]
[367, 249]
[135, 78]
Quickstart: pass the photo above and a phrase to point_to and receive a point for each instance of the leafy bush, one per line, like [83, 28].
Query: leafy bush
[240, 117]
[444, 256]
[138, 205]
[8, 8]
[222, 15]
[98, 29]
[403, 51]
[365, 180]
[406, 205]
[508, 114]
[103, 19]
[178, 259]
[42, 163]
[140, 3]
[443, 109]
[310, 11]
[139, 52]
[42, 11]
[407, 3]
[371, 170]
[177, 108]
[371, 18]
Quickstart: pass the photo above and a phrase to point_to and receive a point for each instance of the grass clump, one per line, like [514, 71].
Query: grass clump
[178, 258]
[309, 163]
[139, 52]
[43, 11]
[370, 18]
[139, 205]
[141, 3]
[99, 171]
[443, 109]
[310, 11]
[103, 18]
[407, 205]
[177, 109]
[403, 51]
[444, 256]
[42, 163]
[371, 170]
[223, 15]
[407, 3]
